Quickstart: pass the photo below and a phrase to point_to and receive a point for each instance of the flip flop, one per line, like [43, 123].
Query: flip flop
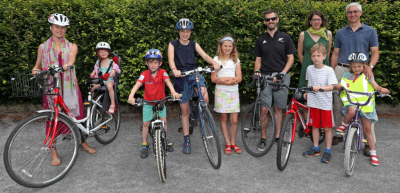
[89, 150]
[55, 160]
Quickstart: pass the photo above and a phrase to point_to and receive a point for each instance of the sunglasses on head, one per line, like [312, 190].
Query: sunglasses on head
[272, 18]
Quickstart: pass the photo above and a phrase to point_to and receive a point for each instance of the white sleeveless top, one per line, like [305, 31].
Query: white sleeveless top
[228, 70]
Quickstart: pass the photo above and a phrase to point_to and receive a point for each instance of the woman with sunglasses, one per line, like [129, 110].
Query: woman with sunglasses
[316, 33]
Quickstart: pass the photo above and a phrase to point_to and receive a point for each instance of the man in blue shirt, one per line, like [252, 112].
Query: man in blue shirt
[355, 37]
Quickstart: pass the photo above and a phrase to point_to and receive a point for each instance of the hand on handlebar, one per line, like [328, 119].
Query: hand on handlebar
[68, 66]
[279, 77]
[177, 73]
[384, 91]
[216, 66]
[131, 101]
[257, 73]
[176, 95]
[305, 95]
[316, 88]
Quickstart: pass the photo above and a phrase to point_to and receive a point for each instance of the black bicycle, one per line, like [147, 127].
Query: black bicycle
[158, 134]
[253, 123]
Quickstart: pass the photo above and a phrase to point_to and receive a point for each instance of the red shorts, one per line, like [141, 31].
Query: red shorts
[320, 118]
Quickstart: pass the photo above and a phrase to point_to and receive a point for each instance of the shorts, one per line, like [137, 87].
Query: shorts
[148, 112]
[184, 86]
[320, 118]
[279, 97]
[226, 101]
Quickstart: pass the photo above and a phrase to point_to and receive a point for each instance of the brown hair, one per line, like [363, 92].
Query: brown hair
[234, 54]
[364, 65]
[270, 11]
[318, 47]
[319, 13]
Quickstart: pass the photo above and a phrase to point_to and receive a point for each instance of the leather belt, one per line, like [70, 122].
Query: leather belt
[344, 65]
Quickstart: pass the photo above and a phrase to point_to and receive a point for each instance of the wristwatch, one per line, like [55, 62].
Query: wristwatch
[372, 67]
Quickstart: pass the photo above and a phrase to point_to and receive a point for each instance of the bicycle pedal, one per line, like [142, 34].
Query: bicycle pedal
[364, 140]
[86, 104]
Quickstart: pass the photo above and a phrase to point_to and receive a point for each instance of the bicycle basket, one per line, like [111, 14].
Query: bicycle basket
[27, 85]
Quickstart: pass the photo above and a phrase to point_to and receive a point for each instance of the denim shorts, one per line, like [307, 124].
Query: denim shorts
[184, 86]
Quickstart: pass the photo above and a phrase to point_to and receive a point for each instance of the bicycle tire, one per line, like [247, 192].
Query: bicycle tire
[351, 150]
[105, 135]
[285, 144]
[251, 129]
[210, 138]
[321, 136]
[160, 155]
[25, 157]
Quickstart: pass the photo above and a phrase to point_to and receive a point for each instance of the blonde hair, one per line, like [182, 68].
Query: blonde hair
[234, 54]
[318, 47]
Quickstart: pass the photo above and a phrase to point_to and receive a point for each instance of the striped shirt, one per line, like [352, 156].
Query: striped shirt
[361, 40]
[320, 77]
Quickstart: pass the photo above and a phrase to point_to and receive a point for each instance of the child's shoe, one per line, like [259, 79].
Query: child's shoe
[186, 148]
[313, 151]
[340, 130]
[326, 158]
[374, 160]
[145, 151]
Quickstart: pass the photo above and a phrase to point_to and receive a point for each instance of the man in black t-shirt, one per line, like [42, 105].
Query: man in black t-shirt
[274, 53]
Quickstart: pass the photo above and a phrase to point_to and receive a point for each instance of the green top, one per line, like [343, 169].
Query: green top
[307, 44]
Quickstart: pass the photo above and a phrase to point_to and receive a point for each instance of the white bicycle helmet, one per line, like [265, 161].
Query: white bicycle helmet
[357, 57]
[184, 24]
[103, 46]
[58, 19]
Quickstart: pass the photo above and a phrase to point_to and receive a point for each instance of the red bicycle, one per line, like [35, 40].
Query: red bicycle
[290, 125]
[27, 151]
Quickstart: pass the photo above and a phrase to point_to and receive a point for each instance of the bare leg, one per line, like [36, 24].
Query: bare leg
[110, 88]
[55, 160]
[185, 118]
[204, 92]
[315, 136]
[145, 131]
[328, 137]
[278, 118]
[264, 122]
[224, 127]
[234, 125]
[350, 114]
[368, 132]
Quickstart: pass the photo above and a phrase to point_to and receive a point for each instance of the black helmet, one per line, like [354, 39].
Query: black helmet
[357, 57]
[298, 96]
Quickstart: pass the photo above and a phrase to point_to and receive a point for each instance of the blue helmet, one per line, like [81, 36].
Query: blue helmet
[184, 24]
[153, 54]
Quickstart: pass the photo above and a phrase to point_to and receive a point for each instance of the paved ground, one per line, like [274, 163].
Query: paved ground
[117, 167]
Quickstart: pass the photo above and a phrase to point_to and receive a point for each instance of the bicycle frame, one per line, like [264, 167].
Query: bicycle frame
[294, 109]
[58, 100]
[200, 102]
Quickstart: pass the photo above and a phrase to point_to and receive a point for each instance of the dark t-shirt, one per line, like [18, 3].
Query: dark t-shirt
[273, 51]
[184, 55]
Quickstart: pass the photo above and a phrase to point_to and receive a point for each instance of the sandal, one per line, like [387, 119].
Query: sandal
[89, 150]
[111, 111]
[236, 148]
[228, 150]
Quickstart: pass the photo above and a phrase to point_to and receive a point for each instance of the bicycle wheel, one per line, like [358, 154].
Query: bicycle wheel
[321, 135]
[210, 138]
[109, 131]
[351, 150]
[285, 143]
[27, 161]
[251, 130]
[160, 155]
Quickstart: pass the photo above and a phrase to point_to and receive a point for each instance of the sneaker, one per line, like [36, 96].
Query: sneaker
[312, 152]
[374, 160]
[170, 146]
[145, 151]
[340, 130]
[186, 148]
[261, 146]
[326, 158]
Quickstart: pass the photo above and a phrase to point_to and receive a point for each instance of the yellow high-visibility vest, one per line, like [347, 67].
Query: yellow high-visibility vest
[360, 85]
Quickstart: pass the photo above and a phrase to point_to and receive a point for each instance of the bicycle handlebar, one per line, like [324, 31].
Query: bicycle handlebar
[199, 70]
[255, 77]
[378, 93]
[140, 102]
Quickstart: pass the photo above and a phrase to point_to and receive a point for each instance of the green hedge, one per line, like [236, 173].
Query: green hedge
[134, 26]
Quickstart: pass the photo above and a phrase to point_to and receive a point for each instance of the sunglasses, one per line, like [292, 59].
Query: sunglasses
[272, 18]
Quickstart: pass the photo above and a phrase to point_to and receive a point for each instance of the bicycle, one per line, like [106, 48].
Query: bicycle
[25, 149]
[290, 125]
[158, 134]
[252, 121]
[353, 138]
[209, 134]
